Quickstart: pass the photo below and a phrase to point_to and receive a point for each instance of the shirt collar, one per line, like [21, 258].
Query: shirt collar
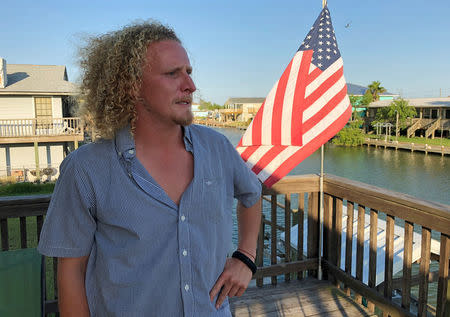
[187, 138]
[125, 142]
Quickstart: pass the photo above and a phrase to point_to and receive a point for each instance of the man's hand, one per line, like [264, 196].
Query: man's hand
[232, 282]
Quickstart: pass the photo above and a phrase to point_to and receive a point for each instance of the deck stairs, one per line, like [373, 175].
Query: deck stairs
[432, 127]
[414, 127]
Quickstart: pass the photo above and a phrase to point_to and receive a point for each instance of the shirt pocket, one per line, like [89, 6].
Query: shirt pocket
[214, 198]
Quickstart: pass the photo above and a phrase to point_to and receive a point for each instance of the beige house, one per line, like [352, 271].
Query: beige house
[241, 109]
[433, 115]
[36, 127]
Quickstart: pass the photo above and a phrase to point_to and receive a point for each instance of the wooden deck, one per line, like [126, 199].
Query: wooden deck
[308, 297]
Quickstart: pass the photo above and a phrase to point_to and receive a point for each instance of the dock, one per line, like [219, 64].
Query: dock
[307, 297]
[409, 146]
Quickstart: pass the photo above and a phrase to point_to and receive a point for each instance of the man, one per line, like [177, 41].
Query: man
[140, 220]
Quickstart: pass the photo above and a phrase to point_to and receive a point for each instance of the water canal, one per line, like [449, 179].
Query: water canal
[423, 176]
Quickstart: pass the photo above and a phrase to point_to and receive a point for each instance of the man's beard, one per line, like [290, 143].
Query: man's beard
[186, 120]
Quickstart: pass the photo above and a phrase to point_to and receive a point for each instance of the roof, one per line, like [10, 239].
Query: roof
[359, 90]
[416, 102]
[32, 79]
[231, 101]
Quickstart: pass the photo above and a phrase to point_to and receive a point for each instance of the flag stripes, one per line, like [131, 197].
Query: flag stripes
[305, 108]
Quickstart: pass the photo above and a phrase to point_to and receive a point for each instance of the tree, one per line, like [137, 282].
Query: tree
[351, 135]
[389, 113]
[207, 105]
[359, 102]
[398, 107]
[375, 90]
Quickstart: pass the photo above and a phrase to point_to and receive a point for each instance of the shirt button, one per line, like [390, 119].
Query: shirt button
[184, 252]
[131, 151]
[183, 218]
[186, 287]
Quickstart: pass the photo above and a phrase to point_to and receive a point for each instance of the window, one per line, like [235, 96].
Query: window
[43, 106]
[434, 113]
[447, 114]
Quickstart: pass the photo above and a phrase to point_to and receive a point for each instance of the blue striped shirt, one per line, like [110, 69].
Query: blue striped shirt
[147, 255]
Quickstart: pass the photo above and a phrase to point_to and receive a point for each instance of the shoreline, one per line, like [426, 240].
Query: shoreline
[392, 145]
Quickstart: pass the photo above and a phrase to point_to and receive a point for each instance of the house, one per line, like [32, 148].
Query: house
[432, 115]
[240, 109]
[359, 91]
[36, 127]
[243, 109]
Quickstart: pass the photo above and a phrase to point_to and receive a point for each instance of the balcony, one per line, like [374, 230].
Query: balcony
[40, 130]
[285, 268]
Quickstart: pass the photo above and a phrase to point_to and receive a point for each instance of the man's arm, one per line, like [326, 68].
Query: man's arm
[236, 275]
[72, 298]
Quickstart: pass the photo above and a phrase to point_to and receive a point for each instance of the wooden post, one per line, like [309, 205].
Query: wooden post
[443, 301]
[75, 144]
[36, 160]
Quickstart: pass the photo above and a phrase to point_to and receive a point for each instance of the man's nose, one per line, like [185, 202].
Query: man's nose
[189, 84]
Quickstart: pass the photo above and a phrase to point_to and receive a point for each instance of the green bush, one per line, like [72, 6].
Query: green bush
[350, 135]
[26, 189]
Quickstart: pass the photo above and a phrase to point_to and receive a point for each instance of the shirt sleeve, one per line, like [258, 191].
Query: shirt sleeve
[247, 187]
[70, 224]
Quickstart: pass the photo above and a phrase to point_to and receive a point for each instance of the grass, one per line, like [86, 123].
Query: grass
[32, 241]
[415, 140]
[20, 189]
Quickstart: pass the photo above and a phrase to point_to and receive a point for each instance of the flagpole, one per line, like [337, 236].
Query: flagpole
[319, 271]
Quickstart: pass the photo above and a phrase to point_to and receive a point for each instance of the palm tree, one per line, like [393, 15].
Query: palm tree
[375, 89]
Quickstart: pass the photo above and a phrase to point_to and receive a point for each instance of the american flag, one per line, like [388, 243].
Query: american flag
[306, 107]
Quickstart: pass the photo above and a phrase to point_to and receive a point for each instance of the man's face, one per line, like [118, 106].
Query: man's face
[167, 86]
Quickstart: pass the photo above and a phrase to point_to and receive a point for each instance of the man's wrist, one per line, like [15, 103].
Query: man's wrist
[247, 253]
[245, 259]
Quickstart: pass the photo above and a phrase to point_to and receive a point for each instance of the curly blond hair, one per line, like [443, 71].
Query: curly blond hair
[112, 75]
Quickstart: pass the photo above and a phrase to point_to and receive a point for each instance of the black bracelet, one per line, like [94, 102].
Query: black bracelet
[247, 261]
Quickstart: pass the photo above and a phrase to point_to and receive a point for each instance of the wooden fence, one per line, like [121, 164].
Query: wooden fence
[298, 197]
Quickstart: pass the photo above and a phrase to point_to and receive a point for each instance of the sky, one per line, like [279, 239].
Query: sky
[241, 48]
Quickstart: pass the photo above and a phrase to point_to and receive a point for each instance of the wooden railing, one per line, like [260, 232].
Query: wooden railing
[40, 127]
[289, 202]
[412, 129]
[433, 127]
[339, 193]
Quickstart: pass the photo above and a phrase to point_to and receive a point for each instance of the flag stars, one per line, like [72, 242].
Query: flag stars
[334, 51]
[328, 50]
[309, 37]
[319, 57]
[306, 46]
[319, 65]
[328, 35]
[320, 42]
[320, 24]
[320, 30]
[320, 36]
[328, 42]
[328, 57]
[320, 50]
